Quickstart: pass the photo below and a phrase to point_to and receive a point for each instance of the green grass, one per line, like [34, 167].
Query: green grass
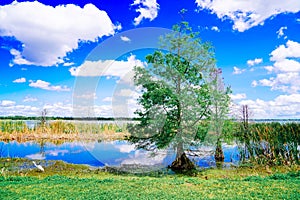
[66, 181]
[132, 187]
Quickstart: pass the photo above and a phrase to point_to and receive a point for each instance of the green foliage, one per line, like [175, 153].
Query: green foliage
[202, 130]
[175, 92]
[229, 130]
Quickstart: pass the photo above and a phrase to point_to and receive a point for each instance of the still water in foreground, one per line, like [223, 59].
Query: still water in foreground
[111, 153]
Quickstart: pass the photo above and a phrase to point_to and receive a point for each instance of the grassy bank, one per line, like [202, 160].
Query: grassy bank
[65, 181]
[116, 187]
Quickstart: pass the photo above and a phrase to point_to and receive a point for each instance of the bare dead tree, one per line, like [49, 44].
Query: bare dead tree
[44, 117]
[245, 132]
[245, 116]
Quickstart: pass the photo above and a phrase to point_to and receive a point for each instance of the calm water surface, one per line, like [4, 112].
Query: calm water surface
[113, 153]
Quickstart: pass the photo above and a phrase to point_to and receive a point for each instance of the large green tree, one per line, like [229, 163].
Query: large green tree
[175, 94]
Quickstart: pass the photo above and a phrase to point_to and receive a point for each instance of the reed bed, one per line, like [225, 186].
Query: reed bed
[270, 143]
[9, 126]
[97, 128]
[59, 129]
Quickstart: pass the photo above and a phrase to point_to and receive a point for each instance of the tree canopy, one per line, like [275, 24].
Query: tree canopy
[175, 89]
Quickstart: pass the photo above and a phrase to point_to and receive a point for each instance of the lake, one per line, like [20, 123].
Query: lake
[111, 153]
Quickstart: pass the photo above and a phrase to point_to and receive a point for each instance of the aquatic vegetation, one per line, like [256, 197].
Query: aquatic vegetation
[59, 129]
[9, 126]
[270, 143]
[96, 128]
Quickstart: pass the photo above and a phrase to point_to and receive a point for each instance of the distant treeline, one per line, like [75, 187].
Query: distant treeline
[67, 118]
[270, 120]
[120, 118]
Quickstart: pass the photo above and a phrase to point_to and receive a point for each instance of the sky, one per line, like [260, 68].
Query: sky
[75, 58]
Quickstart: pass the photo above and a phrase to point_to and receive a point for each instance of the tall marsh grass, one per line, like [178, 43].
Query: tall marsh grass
[10, 126]
[270, 143]
[61, 127]
[98, 128]
[58, 127]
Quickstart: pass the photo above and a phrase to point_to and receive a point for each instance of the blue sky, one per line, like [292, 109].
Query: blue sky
[74, 58]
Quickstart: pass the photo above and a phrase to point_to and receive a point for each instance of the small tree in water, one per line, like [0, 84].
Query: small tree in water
[175, 94]
[220, 101]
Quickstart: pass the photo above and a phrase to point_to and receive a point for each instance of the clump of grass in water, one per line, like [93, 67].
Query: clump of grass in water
[58, 127]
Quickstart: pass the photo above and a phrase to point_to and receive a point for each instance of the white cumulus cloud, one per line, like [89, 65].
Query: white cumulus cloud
[290, 50]
[285, 70]
[286, 82]
[47, 86]
[215, 28]
[254, 83]
[106, 67]
[254, 62]
[237, 70]
[127, 93]
[20, 80]
[125, 39]
[280, 32]
[10, 108]
[147, 9]
[18, 58]
[48, 33]
[283, 106]
[246, 13]
[29, 99]
[7, 103]
[59, 109]
[87, 95]
[107, 99]
[287, 65]
[238, 96]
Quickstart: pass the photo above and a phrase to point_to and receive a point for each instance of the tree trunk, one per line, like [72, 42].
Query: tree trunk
[219, 154]
[182, 162]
